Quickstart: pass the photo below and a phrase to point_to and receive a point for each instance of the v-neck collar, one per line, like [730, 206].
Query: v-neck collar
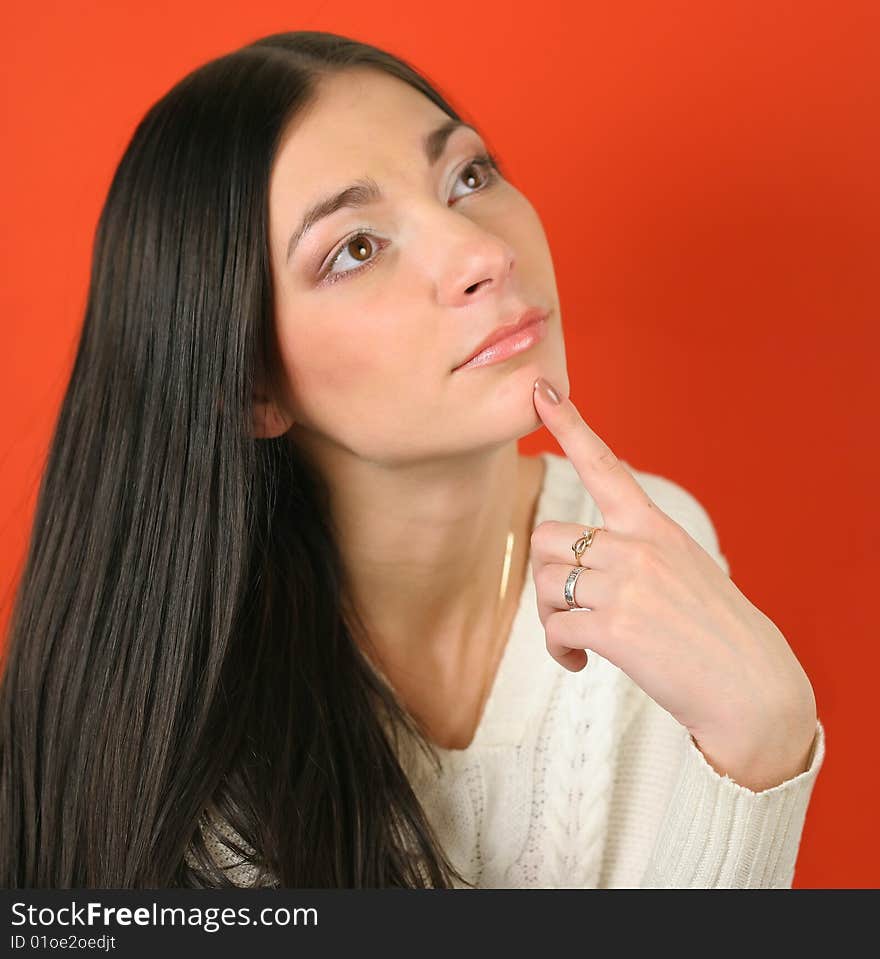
[521, 683]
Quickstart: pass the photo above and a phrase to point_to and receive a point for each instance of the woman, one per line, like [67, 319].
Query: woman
[294, 608]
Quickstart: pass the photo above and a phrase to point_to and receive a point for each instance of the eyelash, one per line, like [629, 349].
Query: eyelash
[485, 161]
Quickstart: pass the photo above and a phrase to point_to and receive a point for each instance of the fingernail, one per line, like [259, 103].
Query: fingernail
[547, 390]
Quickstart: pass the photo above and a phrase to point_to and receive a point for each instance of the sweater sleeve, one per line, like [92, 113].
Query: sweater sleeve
[717, 833]
[676, 823]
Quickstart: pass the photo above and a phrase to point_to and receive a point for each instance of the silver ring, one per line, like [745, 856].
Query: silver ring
[568, 591]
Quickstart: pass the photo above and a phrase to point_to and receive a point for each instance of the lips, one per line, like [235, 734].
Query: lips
[532, 315]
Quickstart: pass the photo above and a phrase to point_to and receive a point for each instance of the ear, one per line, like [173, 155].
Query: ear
[269, 421]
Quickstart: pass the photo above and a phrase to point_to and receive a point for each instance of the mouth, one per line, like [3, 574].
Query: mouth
[507, 341]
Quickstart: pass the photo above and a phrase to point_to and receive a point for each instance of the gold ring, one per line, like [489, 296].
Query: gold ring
[584, 542]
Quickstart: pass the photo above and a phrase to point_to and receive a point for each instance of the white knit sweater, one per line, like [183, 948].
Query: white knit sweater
[580, 780]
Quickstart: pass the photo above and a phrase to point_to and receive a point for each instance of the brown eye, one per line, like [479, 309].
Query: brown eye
[487, 173]
[359, 247]
[470, 179]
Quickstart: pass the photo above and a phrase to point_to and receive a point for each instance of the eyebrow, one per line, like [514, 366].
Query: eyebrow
[365, 190]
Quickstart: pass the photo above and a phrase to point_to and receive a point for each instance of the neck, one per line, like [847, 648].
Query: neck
[424, 548]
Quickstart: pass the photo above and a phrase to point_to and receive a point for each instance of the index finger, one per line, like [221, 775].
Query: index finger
[616, 491]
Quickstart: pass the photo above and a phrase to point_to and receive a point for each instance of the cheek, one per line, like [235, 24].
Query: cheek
[340, 371]
[374, 401]
[323, 366]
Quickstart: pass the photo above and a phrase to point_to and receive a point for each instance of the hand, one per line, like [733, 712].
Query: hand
[662, 610]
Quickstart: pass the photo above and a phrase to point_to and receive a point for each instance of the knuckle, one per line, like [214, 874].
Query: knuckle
[543, 580]
[611, 620]
[540, 583]
[619, 622]
[538, 534]
[624, 595]
[643, 556]
[607, 461]
[552, 630]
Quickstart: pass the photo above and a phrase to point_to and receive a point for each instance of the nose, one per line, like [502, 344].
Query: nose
[479, 264]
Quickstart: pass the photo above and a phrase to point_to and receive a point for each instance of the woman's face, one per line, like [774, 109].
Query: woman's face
[376, 306]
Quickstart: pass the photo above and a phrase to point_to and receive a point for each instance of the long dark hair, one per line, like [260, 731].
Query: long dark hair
[182, 648]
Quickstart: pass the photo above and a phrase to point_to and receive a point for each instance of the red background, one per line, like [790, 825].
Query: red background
[707, 174]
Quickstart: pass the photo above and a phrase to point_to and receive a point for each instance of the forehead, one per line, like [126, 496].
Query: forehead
[359, 111]
[360, 123]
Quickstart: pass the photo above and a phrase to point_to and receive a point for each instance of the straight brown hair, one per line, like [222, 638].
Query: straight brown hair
[181, 647]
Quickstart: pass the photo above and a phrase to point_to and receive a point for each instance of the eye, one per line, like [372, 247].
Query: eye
[359, 245]
[484, 162]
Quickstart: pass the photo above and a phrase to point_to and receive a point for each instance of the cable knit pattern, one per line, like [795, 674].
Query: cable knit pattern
[581, 780]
